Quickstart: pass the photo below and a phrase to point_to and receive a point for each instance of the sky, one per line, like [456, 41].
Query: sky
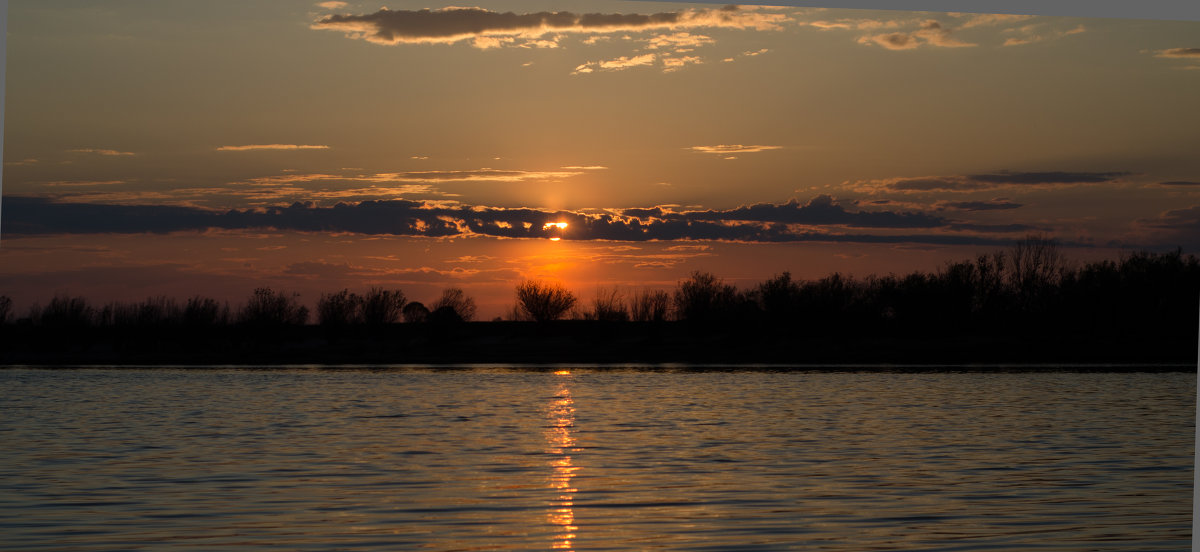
[207, 148]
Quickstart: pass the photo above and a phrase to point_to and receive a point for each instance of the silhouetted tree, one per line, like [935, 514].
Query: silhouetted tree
[270, 308]
[339, 309]
[64, 312]
[650, 305]
[454, 298]
[444, 315]
[542, 301]
[5, 308]
[205, 312]
[609, 306]
[415, 312]
[779, 299]
[704, 298]
[381, 306]
[1034, 266]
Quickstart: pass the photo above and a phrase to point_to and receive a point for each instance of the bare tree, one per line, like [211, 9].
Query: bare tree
[271, 308]
[609, 306]
[1034, 263]
[205, 311]
[456, 300]
[381, 306]
[650, 305]
[543, 302]
[64, 311]
[704, 297]
[5, 308]
[339, 309]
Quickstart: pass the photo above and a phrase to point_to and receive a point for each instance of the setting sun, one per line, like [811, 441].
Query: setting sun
[556, 226]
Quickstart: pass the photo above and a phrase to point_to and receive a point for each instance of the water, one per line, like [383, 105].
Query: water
[506, 459]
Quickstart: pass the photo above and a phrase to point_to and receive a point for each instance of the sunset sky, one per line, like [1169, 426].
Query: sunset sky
[179, 148]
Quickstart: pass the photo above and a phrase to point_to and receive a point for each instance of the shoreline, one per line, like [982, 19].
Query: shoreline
[588, 343]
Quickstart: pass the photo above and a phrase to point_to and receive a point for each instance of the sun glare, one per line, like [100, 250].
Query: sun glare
[557, 227]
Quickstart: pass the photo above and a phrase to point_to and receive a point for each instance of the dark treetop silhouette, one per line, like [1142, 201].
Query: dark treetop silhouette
[1026, 304]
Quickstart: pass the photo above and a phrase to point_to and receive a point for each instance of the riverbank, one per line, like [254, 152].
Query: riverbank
[579, 342]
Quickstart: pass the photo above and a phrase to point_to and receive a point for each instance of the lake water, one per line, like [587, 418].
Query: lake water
[594, 459]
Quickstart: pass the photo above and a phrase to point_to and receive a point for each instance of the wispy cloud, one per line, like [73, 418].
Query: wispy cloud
[991, 19]
[678, 40]
[104, 152]
[727, 149]
[485, 28]
[256, 147]
[623, 62]
[1030, 34]
[332, 5]
[83, 183]
[676, 63]
[985, 181]
[998, 204]
[1179, 53]
[931, 33]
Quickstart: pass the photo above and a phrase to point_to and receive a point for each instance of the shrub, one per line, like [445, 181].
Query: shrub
[543, 302]
[456, 300]
[270, 308]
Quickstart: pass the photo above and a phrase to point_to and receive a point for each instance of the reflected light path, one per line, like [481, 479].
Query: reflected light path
[560, 444]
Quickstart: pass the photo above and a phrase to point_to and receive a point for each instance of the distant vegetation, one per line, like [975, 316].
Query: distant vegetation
[1029, 287]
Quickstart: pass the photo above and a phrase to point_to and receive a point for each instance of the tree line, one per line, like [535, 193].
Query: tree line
[1031, 286]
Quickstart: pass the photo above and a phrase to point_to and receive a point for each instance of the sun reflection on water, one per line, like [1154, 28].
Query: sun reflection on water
[561, 444]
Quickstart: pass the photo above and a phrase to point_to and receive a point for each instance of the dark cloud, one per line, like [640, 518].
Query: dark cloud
[764, 222]
[984, 181]
[990, 205]
[1180, 53]
[1051, 177]
[1179, 183]
[1177, 219]
[486, 27]
[821, 210]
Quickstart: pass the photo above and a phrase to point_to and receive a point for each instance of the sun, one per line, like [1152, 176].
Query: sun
[558, 227]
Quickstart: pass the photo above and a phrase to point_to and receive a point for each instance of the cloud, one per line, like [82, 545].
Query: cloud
[585, 167]
[1184, 53]
[1186, 218]
[990, 19]
[623, 62]
[1179, 183]
[1032, 34]
[83, 183]
[104, 152]
[931, 33]
[820, 219]
[990, 205]
[482, 27]
[675, 64]
[678, 40]
[974, 182]
[892, 41]
[255, 147]
[820, 210]
[1179, 227]
[726, 149]
[332, 5]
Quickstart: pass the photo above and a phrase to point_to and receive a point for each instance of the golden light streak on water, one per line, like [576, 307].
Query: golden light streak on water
[560, 441]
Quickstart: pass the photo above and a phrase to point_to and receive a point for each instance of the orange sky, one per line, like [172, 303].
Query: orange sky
[175, 148]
